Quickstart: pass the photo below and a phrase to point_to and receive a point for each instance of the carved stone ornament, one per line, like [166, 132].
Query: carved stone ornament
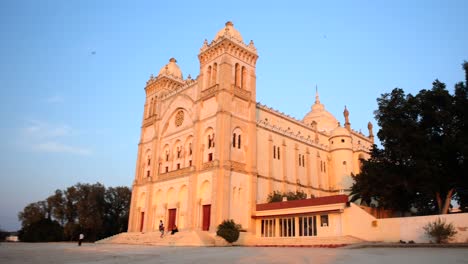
[179, 118]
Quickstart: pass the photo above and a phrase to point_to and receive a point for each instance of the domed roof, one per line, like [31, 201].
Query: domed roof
[171, 69]
[324, 119]
[340, 131]
[230, 31]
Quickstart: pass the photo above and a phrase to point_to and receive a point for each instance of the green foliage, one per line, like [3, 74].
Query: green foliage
[423, 161]
[229, 230]
[44, 230]
[83, 208]
[440, 231]
[3, 234]
[277, 196]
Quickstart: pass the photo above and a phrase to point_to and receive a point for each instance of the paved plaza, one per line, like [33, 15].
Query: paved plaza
[11, 253]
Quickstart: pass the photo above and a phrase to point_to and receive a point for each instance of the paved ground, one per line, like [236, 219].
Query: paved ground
[12, 253]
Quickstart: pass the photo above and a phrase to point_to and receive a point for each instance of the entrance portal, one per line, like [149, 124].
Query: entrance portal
[206, 217]
[142, 221]
[172, 219]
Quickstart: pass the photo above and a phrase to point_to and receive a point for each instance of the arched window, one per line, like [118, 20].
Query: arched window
[234, 140]
[244, 78]
[239, 141]
[150, 109]
[237, 75]
[214, 74]
[211, 142]
[276, 152]
[208, 76]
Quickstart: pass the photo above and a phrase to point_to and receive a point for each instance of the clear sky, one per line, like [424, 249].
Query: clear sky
[72, 73]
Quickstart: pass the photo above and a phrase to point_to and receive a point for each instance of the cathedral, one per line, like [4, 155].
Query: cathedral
[209, 151]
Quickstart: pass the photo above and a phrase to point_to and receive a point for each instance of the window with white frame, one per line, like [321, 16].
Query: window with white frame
[287, 227]
[308, 225]
[268, 228]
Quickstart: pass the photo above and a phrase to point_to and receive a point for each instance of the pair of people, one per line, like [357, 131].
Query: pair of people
[161, 229]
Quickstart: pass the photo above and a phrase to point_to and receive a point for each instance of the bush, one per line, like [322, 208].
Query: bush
[440, 230]
[44, 230]
[277, 196]
[229, 230]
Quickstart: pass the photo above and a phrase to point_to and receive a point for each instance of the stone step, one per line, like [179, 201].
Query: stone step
[183, 238]
[202, 238]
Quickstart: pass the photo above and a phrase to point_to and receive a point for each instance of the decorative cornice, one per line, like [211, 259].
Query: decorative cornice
[210, 165]
[241, 93]
[170, 76]
[205, 94]
[149, 121]
[168, 82]
[301, 185]
[177, 90]
[250, 47]
[235, 166]
[176, 174]
[362, 148]
[232, 46]
[288, 117]
[288, 133]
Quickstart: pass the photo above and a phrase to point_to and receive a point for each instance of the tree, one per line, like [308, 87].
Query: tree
[56, 204]
[44, 230]
[89, 208]
[32, 213]
[117, 209]
[3, 234]
[423, 161]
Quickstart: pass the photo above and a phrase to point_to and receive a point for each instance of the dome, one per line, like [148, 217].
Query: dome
[171, 69]
[230, 31]
[325, 120]
[340, 132]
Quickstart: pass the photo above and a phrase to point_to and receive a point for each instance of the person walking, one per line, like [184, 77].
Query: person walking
[161, 228]
[80, 239]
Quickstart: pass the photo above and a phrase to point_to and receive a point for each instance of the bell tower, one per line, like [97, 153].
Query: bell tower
[227, 96]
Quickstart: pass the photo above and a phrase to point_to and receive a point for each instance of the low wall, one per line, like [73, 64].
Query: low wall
[358, 223]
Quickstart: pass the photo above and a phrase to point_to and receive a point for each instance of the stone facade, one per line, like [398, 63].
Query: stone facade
[209, 152]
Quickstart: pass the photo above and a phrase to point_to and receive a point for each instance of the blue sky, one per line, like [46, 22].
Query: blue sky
[72, 73]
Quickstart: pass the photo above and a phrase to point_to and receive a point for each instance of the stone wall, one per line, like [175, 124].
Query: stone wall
[358, 223]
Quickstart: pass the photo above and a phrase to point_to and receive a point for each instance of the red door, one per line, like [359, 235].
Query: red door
[142, 221]
[172, 219]
[206, 217]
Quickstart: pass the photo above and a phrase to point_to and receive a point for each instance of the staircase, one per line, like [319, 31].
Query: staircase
[206, 239]
[182, 238]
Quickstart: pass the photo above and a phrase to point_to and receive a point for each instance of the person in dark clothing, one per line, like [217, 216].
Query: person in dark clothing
[174, 230]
